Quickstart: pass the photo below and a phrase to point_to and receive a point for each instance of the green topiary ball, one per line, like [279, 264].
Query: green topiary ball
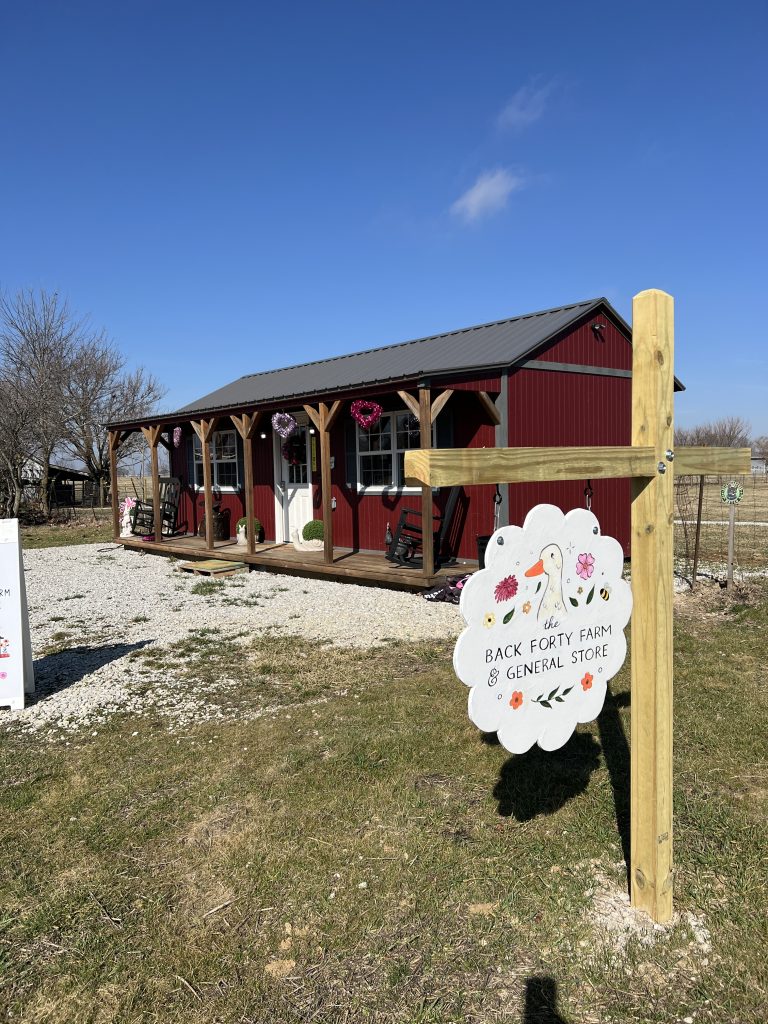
[313, 530]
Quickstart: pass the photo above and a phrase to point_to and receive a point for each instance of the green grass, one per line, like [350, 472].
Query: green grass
[82, 530]
[361, 853]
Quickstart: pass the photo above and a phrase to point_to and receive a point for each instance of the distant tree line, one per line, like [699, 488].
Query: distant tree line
[61, 382]
[728, 432]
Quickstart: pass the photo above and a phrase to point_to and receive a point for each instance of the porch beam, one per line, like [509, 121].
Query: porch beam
[246, 427]
[444, 467]
[164, 442]
[204, 430]
[325, 479]
[410, 402]
[314, 415]
[333, 415]
[439, 403]
[152, 436]
[489, 406]
[425, 439]
[114, 445]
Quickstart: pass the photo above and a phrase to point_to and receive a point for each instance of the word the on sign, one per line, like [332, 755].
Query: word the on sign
[545, 628]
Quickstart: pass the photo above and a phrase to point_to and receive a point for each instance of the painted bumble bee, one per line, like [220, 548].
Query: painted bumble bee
[605, 592]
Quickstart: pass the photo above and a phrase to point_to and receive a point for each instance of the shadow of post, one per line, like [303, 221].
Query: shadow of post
[55, 672]
[541, 1001]
[616, 751]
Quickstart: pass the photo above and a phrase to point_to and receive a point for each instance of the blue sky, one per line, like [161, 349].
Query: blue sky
[231, 187]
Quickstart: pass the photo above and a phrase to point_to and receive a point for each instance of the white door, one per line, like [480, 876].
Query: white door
[293, 483]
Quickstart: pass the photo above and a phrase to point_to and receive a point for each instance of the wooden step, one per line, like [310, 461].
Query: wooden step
[213, 567]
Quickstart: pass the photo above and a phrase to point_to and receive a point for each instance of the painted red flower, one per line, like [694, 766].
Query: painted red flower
[517, 700]
[506, 589]
[586, 682]
[585, 565]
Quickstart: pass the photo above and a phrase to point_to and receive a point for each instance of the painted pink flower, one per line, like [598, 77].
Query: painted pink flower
[505, 589]
[585, 566]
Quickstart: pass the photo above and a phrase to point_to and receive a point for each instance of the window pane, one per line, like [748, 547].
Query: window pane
[225, 445]
[226, 473]
[199, 474]
[196, 449]
[376, 470]
[408, 435]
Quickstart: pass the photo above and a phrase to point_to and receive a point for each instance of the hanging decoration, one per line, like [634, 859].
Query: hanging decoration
[293, 450]
[366, 413]
[176, 437]
[284, 424]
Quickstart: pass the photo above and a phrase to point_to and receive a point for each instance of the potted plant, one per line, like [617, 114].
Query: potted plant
[242, 530]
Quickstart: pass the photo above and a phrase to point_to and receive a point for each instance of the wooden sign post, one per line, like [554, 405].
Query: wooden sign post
[650, 462]
[731, 495]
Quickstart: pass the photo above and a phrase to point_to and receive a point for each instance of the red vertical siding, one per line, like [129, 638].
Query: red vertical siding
[608, 348]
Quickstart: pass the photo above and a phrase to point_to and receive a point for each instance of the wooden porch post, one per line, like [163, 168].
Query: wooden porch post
[324, 419]
[246, 426]
[114, 444]
[425, 439]
[152, 435]
[204, 430]
[652, 543]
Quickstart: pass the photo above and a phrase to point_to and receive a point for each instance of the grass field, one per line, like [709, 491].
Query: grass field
[354, 850]
[91, 527]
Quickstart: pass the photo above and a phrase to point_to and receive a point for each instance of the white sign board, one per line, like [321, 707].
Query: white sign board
[16, 672]
[545, 628]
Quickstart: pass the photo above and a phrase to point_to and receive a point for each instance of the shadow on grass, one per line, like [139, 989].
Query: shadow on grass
[55, 672]
[616, 751]
[542, 781]
[541, 1001]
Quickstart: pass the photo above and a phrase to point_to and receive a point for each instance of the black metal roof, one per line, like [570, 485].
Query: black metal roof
[487, 346]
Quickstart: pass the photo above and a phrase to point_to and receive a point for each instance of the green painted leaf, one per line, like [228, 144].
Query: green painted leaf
[538, 586]
[545, 704]
[590, 595]
[508, 617]
[566, 692]
[559, 700]
[574, 602]
[552, 694]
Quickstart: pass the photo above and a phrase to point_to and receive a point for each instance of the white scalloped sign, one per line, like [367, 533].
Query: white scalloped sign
[545, 628]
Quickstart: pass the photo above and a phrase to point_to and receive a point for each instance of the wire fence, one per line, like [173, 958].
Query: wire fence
[751, 527]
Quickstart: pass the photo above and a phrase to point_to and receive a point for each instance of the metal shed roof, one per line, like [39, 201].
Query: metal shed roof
[485, 346]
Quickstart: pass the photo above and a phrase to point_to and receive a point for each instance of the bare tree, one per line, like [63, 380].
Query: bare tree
[760, 446]
[38, 336]
[98, 391]
[728, 432]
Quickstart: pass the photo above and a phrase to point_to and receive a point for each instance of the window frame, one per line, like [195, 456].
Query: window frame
[397, 486]
[197, 460]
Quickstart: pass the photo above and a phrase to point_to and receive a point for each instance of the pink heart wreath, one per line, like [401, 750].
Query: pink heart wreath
[284, 424]
[365, 412]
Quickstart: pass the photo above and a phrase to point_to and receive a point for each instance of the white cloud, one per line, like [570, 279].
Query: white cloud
[526, 106]
[489, 194]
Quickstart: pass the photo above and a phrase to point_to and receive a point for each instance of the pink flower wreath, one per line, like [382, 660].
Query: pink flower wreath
[365, 412]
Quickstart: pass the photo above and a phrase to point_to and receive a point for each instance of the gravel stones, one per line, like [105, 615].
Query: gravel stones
[91, 605]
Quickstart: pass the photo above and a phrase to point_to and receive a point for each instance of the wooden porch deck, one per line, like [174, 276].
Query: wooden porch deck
[352, 566]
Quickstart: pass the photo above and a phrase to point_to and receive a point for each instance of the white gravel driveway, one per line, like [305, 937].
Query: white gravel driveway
[100, 602]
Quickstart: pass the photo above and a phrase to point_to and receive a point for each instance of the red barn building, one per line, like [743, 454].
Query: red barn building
[557, 377]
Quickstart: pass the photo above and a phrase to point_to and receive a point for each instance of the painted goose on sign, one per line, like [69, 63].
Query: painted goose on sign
[550, 564]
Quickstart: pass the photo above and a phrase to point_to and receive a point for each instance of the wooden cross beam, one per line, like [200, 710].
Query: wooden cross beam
[324, 419]
[204, 430]
[650, 461]
[246, 426]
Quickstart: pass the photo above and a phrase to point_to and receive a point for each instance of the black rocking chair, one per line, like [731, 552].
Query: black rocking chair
[143, 513]
[406, 546]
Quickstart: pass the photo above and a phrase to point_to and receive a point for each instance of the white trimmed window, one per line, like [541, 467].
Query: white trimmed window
[381, 451]
[225, 471]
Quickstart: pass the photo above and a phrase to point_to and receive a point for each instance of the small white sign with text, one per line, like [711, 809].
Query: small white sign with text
[16, 671]
[545, 628]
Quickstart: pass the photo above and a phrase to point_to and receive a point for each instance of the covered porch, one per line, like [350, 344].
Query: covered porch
[354, 566]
